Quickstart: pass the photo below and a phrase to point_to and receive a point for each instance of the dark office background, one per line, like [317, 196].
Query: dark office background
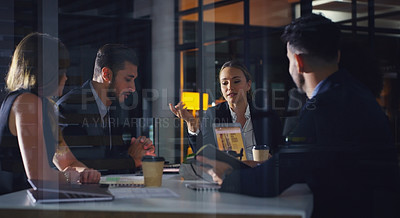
[85, 25]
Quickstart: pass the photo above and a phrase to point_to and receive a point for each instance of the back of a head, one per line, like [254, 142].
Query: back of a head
[314, 35]
[30, 70]
[114, 57]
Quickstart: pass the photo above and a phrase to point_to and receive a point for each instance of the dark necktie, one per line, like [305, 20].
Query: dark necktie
[107, 128]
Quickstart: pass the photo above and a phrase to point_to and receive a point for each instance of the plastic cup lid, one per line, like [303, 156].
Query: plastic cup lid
[261, 147]
[152, 159]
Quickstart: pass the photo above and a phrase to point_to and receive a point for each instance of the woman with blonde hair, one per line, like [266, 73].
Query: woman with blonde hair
[29, 122]
[235, 86]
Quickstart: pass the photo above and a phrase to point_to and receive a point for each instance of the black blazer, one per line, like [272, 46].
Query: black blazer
[80, 118]
[344, 111]
[266, 125]
[83, 129]
[356, 163]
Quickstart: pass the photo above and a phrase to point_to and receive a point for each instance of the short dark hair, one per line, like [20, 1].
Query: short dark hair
[314, 35]
[114, 56]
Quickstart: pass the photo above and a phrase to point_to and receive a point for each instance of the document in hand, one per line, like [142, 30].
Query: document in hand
[211, 152]
[228, 137]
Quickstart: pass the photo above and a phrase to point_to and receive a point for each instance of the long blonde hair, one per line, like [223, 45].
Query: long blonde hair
[26, 69]
[27, 72]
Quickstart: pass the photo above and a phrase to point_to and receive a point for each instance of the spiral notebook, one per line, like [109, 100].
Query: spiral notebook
[128, 181]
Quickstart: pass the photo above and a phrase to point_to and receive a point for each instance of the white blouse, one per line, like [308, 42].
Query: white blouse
[248, 133]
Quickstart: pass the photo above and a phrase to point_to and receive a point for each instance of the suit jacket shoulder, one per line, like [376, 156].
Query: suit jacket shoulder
[80, 119]
[343, 112]
[77, 105]
[219, 113]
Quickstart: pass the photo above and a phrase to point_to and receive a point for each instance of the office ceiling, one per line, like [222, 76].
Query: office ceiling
[96, 7]
[387, 12]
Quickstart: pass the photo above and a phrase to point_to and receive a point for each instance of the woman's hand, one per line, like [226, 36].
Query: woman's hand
[85, 176]
[88, 176]
[180, 111]
[71, 175]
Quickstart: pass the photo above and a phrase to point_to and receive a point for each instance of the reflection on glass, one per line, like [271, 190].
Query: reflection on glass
[190, 4]
[270, 13]
[165, 134]
[342, 11]
[188, 70]
[206, 2]
[187, 28]
[187, 4]
[228, 14]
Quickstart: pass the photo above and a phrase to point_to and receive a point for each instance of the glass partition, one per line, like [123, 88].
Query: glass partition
[182, 44]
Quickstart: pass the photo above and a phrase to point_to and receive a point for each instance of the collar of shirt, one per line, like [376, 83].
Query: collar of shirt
[317, 88]
[102, 108]
[246, 114]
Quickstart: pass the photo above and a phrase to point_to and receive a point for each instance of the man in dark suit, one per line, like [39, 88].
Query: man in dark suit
[92, 122]
[350, 163]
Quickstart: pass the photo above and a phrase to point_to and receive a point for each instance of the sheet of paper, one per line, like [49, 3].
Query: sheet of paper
[142, 193]
[122, 180]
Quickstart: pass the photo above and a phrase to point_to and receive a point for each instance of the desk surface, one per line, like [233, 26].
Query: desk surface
[296, 201]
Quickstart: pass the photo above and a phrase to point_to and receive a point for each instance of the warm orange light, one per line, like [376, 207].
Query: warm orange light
[270, 13]
[192, 100]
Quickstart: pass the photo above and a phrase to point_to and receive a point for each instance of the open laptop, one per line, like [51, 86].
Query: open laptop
[53, 192]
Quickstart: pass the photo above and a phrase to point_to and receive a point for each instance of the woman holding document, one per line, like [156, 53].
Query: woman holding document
[28, 119]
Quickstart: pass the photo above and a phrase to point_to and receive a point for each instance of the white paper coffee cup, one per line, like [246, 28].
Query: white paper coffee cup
[260, 152]
[152, 170]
